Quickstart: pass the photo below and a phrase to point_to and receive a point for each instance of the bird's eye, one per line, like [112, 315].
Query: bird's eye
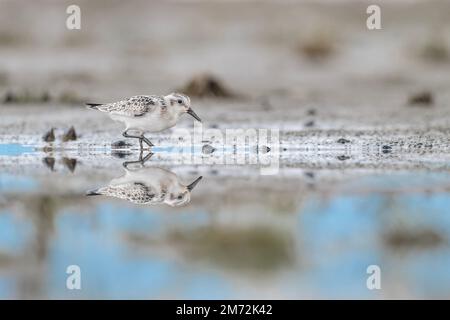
[180, 101]
[180, 197]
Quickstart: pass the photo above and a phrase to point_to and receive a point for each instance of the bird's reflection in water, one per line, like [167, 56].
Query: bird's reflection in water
[147, 185]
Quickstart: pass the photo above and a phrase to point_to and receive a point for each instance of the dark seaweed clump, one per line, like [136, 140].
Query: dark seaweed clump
[424, 98]
[70, 135]
[414, 239]
[207, 86]
[22, 97]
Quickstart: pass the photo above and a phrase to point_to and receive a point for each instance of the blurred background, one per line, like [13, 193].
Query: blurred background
[364, 122]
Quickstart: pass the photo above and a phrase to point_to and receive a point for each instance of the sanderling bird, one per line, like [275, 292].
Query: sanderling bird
[147, 113]
[148, 185]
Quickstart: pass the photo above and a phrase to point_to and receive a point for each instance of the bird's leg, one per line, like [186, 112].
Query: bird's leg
[141, 137]
[147, 157]
[146, 141]
[141, 160]
[127, 135]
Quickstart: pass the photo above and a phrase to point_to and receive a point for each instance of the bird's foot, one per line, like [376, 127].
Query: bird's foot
[141, 160]
[148, 142]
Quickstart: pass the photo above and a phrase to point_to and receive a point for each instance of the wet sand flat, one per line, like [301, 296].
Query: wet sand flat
[362, 155]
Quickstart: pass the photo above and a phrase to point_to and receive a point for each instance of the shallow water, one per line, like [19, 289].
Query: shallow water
[14, 149]
[362, 174]
[310, 231]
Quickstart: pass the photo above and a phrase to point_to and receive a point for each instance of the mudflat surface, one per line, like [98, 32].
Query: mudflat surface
[362, 169]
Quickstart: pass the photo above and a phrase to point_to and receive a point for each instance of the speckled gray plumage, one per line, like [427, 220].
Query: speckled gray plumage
[134, 192]
[135, 106]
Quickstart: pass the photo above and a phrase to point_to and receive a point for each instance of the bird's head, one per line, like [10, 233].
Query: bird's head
[181, 103]
[183, 195]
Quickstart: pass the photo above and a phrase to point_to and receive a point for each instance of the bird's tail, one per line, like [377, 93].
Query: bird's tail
[93, 105]
[93, 193]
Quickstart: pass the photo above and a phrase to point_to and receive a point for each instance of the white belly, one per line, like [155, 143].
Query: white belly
[148, 123]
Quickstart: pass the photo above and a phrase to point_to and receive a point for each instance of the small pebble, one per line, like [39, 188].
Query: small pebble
[120, 144]
[120, 153]
[343, 141]
[70, 135]
[266, 105]
[309, 174]
[208, 149]
[310, 123]
[342, 158]
[70, 163]
[49, 162]
[9, 97]
[264, 149]
[49, 136]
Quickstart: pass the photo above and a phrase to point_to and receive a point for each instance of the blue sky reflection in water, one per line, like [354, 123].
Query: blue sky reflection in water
[14, 149]
[335, 237]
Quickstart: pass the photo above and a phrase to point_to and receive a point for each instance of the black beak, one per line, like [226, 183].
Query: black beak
[193, 184]
[192, 113]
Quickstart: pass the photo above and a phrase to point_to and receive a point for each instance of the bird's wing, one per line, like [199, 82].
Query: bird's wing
[136, 106]
[135, 192]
